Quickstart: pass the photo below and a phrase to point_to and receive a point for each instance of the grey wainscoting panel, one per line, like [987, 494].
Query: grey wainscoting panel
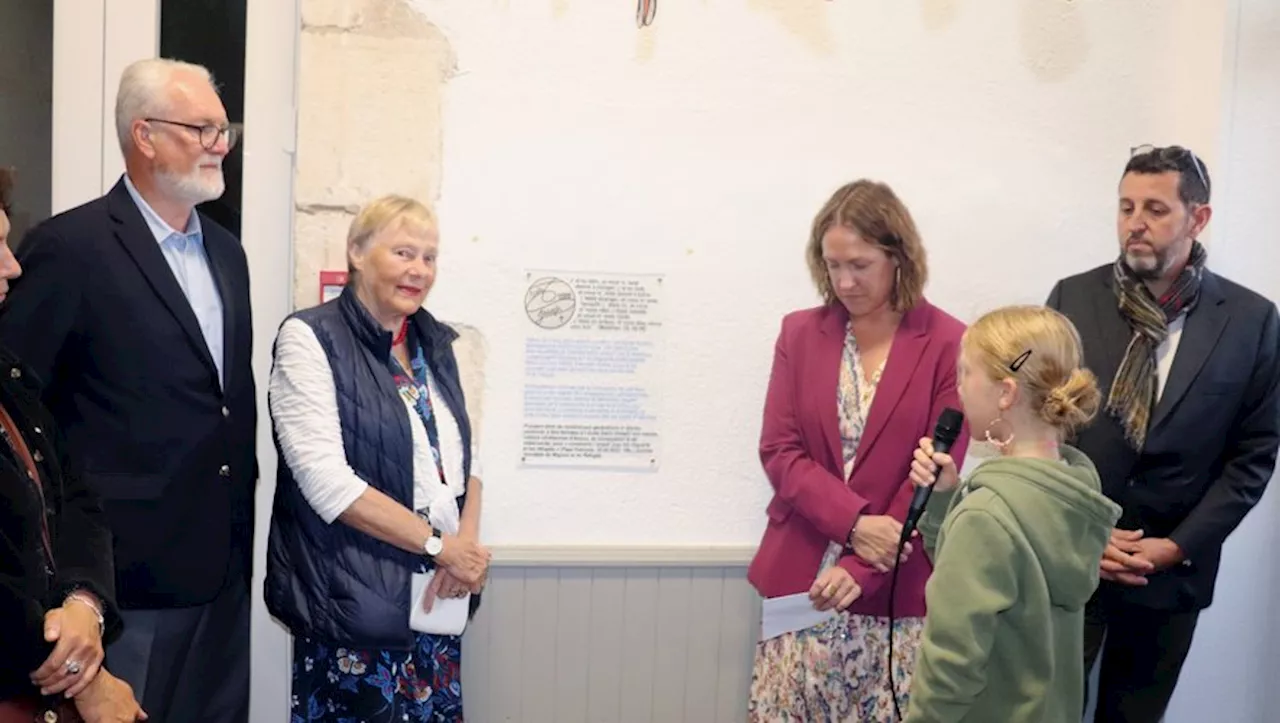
[611, 644]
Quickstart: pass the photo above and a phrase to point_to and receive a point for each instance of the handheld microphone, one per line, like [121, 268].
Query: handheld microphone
[945, 433]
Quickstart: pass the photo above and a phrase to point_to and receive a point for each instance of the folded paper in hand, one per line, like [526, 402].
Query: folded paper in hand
[448, 616]
[790, 614]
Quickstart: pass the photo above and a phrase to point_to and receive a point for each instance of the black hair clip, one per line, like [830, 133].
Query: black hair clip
[1016, 364]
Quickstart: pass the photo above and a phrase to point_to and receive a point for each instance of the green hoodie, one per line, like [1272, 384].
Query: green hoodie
[1016, 558]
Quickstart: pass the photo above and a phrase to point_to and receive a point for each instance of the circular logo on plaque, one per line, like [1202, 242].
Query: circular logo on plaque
[550, 302]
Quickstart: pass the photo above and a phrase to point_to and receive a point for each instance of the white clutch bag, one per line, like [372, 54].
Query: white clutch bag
[448, 616]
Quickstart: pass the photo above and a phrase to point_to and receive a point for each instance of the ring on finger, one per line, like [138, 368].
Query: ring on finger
[73, 667]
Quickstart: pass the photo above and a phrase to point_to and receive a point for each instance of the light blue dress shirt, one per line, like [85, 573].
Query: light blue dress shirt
[187, 259]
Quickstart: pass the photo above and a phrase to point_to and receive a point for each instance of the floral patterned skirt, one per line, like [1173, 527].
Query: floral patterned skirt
[342, 685]
[834, 672]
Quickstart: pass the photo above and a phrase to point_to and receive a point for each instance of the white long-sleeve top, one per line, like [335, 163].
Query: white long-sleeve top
[304, 412]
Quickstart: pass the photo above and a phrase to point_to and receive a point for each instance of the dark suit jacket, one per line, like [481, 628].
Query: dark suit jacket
[813, 504]
[100, 318]
[1211, 445]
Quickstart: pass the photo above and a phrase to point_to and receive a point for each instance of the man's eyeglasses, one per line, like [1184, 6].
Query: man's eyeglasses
[1173, 153]
[209, 134]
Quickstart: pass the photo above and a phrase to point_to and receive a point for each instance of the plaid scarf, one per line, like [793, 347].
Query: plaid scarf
[1133, 392]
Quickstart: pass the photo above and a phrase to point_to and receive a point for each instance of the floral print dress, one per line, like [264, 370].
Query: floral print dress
[338, 684]
[835, 671]
[343, 685]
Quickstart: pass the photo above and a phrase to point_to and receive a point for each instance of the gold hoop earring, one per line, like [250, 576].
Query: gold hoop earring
[998, 443]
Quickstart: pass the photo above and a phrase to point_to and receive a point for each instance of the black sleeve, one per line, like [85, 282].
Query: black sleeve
[21, 627]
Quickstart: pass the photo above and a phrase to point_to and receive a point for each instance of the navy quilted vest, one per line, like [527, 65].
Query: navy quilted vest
[332, 582]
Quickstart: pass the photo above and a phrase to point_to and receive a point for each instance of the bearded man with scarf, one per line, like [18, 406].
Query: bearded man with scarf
[1189, 365]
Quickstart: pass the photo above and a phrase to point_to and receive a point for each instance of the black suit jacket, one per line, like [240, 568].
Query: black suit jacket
[100, 318]
[1211, 444]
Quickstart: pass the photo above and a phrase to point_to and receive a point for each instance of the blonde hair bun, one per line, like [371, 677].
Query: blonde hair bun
[1074, 402]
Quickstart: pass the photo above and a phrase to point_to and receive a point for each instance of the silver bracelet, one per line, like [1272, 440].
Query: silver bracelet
[88, 602]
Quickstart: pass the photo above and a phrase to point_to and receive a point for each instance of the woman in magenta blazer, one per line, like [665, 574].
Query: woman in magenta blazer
[856, 383]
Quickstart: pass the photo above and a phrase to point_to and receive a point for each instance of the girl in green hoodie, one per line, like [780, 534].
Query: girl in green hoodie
[1016, 546]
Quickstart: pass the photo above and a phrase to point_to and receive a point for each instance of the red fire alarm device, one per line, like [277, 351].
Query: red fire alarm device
[331, 284]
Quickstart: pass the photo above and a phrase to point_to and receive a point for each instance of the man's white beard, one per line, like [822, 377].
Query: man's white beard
[193, 187]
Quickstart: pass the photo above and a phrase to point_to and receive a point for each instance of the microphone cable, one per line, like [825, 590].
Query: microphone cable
[893, 589]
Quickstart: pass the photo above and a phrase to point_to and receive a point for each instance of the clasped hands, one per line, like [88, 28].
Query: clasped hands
[74, 667]
[461, 568]
[874, 539]
[1130, 557]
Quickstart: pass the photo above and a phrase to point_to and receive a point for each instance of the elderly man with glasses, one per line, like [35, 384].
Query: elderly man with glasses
[133, 312]
[1189, 364]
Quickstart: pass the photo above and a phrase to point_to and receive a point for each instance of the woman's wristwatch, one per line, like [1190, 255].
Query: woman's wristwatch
[434, 544]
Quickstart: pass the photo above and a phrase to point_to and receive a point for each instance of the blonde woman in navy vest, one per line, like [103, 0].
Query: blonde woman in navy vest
[378, 488]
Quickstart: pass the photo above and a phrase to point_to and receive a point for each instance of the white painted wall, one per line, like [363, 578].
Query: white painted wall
[702, 146]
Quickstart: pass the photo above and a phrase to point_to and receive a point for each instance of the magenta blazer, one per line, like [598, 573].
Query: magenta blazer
[813, 505]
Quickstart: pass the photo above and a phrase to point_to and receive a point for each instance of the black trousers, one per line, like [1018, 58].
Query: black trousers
[189, 665]
[1142, 654]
